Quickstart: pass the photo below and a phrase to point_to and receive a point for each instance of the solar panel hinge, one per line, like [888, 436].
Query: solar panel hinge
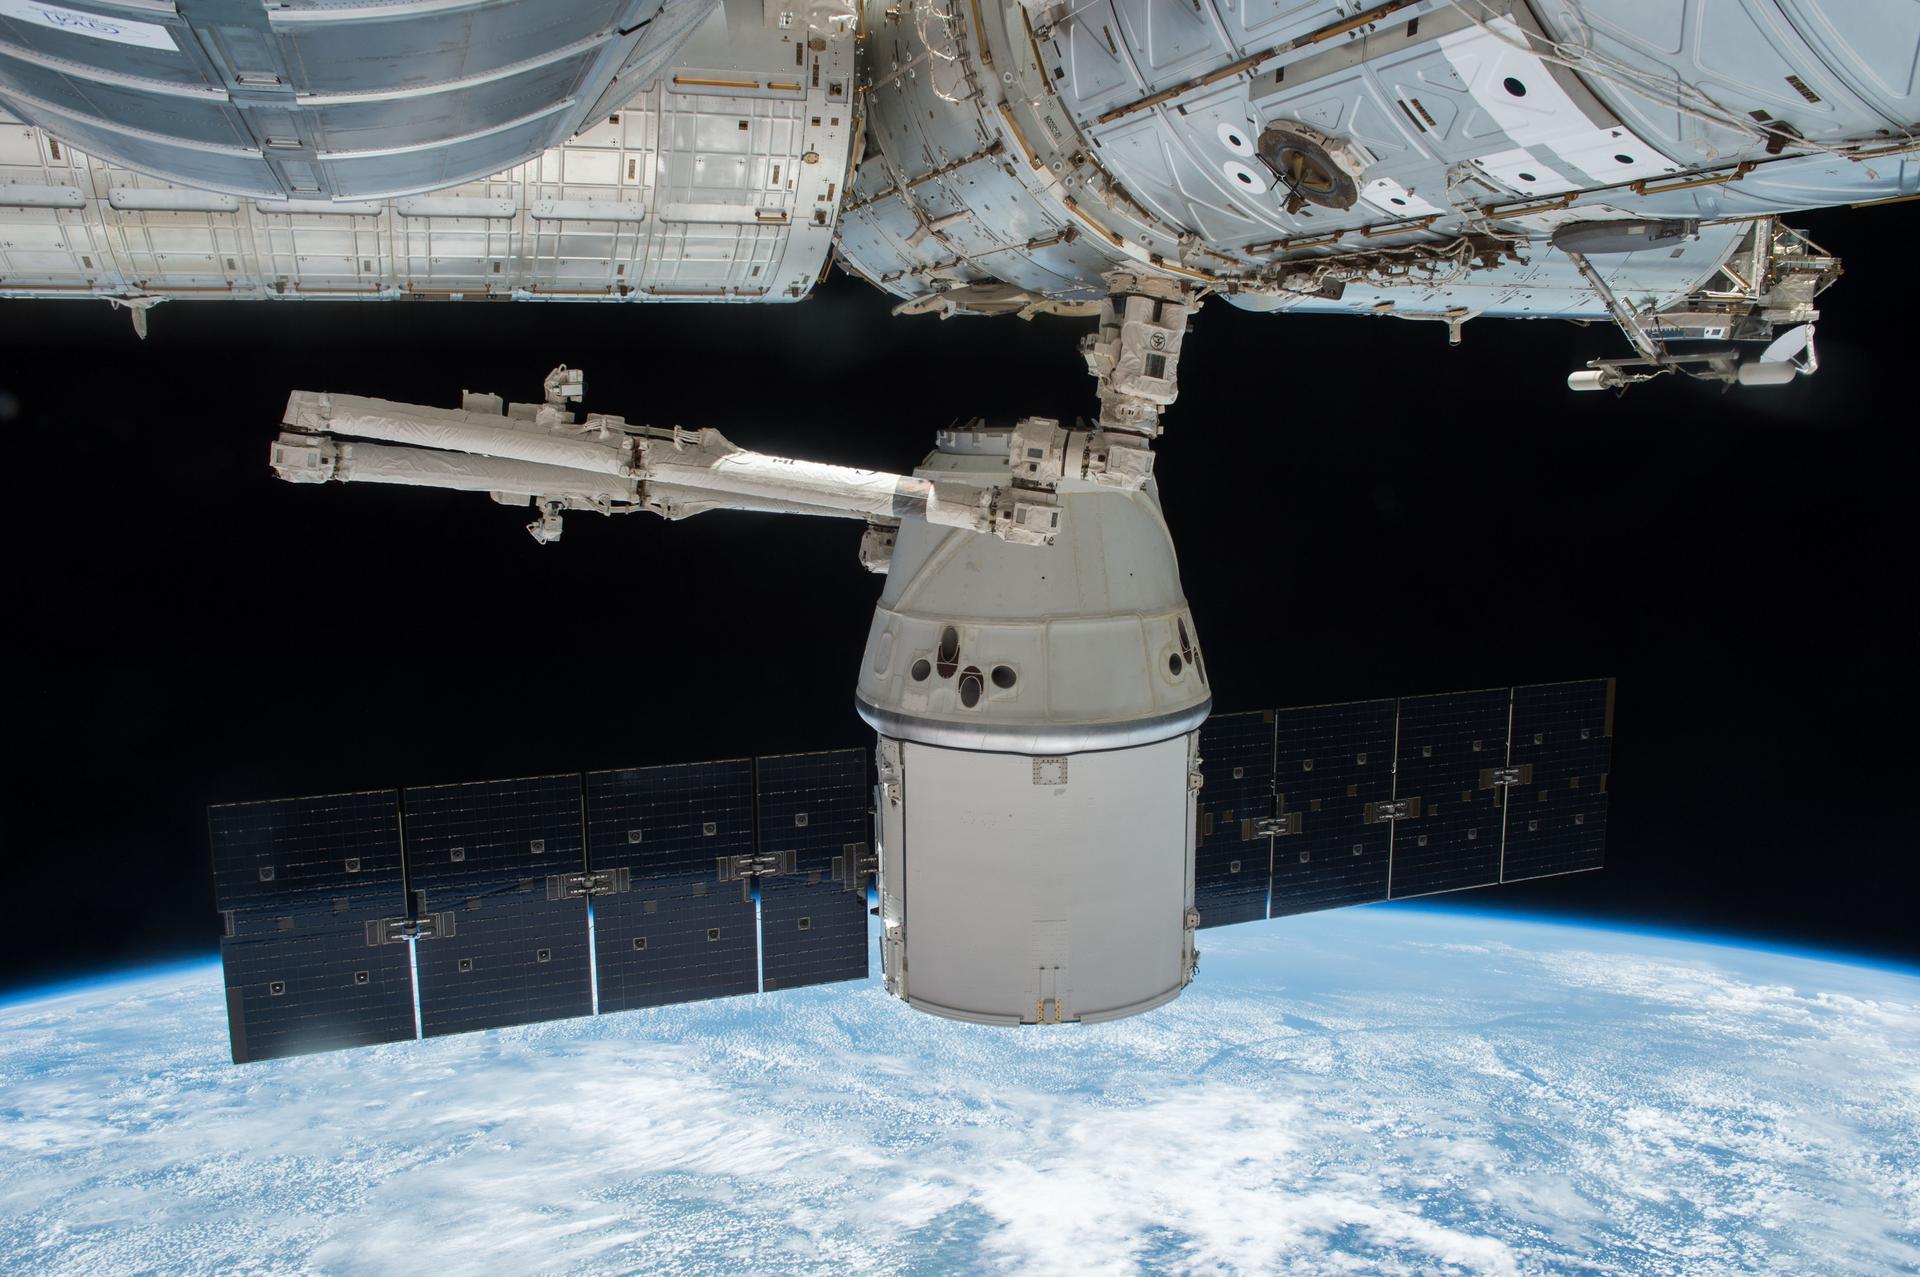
[754, 864]
[432, 926]
[1494, 777]
[602, 882]
[856, 863]
[1273, 826]
[1397, 809]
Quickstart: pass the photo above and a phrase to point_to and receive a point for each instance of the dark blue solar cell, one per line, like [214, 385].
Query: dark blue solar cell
[1232, 860]
[815, 810]
[1333, 762]
[304, 886]
[684, 930]
[1556, 820]
[1449, 837]
[481, 856]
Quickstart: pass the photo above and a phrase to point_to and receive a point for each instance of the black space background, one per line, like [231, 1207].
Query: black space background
[1359, 512]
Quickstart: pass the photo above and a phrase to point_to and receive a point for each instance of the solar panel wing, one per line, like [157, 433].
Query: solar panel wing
[813, 918]
[303, 884]
[1232, 845]
[1446, 824]
[1556, 778]
[1334, 765]
[685, 928]
[484, 852]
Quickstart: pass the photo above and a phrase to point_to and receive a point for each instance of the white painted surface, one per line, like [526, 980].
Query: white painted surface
[97, 26]
[1519, 93]
[1086, 626]
[677, 195]
[1396, 200]
[1521, 170]
[1017, 892]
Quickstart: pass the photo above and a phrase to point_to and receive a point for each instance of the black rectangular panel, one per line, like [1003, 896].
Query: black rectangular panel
[1557, 805]
[813, 921]
[482, 853]
[1232, 863]
[679, 933]
[1334, 763]
[1451, 840]
[298, 881]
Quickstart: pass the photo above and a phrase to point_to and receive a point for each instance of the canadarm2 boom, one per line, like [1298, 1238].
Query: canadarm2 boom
[540, 455]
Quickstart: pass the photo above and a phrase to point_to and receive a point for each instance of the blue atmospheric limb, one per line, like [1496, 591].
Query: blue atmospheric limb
[1684, 935]
[1387, 1089]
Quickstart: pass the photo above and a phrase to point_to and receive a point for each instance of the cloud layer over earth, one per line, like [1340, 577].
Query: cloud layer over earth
[1375, 1091]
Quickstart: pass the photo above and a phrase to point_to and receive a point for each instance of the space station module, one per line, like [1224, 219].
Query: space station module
[1434, 160]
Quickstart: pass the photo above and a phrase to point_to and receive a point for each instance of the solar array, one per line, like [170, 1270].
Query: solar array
[812, 813]
[352, 919]
[305, 886]
[1333, 805]
[1232, 845]
[1338, 764]
[679, 933]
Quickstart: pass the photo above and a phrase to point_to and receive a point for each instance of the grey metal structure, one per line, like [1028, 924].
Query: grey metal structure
[1408, 159]
[696, 186]
[325, 99]
[1412, 159]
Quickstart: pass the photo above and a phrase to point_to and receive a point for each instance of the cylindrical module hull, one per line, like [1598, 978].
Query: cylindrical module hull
[1015, 158]
[708, 171]
[1041, 890]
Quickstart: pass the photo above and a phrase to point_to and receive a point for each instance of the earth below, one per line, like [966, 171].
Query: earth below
[1382, 1090]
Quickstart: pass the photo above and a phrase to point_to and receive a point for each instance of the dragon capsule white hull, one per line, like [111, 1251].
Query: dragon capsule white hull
[1038, 710]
